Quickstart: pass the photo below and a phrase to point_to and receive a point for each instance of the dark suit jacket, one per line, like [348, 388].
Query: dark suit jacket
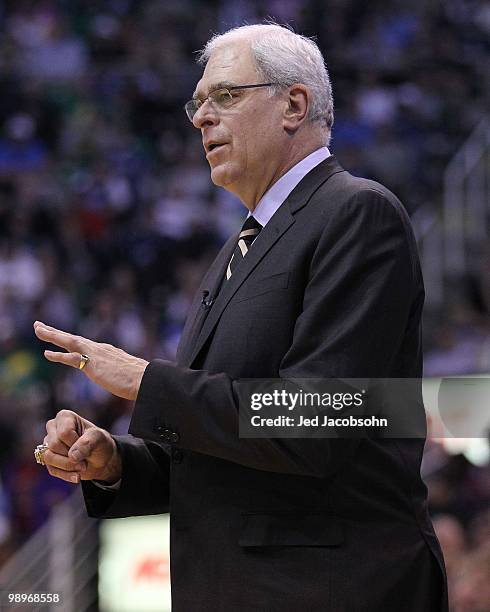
[331, 287]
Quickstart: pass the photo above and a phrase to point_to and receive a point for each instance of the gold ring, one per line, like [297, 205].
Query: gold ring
[84, 359]
[39, 452]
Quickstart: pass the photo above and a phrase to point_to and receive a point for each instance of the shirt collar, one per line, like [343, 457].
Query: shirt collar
[277, 194]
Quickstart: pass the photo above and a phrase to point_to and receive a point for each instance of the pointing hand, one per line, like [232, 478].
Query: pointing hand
[111, 368]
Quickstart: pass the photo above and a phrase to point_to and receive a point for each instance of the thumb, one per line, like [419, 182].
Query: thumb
[84, 446]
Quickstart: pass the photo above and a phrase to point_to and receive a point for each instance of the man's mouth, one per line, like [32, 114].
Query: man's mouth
[212, 146]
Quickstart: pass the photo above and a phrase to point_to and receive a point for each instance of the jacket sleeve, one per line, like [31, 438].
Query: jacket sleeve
[144, 485]
[356, 307]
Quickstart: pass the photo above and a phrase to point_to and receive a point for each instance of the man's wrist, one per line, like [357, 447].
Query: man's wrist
[139, 377]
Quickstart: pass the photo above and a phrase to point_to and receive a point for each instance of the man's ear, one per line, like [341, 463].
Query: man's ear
[298, 103]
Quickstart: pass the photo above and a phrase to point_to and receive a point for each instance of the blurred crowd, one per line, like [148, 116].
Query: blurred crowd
[459, 502]
[108, 217]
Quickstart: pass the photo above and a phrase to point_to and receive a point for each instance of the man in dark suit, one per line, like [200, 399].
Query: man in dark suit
[322, 282]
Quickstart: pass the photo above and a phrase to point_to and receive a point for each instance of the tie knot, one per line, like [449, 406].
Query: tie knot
[248, 233]
[250, 229]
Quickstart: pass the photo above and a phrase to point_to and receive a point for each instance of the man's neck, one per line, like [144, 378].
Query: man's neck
[278, 193]
[252, 194]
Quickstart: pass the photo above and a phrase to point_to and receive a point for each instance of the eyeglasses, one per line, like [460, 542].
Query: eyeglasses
[219, 98]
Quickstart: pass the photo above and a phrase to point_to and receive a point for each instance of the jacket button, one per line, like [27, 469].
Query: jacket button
[174, 437]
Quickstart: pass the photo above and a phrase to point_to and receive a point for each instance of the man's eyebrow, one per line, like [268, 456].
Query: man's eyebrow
[214, 87]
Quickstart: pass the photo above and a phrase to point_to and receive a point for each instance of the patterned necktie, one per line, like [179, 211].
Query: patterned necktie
[248, 234]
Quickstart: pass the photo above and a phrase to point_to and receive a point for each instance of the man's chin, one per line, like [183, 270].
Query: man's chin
[220, 177]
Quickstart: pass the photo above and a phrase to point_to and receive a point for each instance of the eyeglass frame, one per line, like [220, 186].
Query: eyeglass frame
[228, 89]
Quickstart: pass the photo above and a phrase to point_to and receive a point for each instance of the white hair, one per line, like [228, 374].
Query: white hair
[284, 58]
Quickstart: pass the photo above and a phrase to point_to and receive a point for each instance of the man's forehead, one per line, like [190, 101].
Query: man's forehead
[227, 66]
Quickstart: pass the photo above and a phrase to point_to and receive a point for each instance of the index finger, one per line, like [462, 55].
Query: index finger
[57, 337]
[66, 428]
[55, 445]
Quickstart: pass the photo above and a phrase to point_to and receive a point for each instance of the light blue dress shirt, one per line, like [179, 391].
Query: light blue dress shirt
[277, 194]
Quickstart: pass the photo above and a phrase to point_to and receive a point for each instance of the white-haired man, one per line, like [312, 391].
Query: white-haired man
[323, 281]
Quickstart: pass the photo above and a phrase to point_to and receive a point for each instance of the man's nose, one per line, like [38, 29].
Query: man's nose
[205, 116]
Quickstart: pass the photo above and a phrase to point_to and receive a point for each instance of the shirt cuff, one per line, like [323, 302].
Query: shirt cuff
[113, 487]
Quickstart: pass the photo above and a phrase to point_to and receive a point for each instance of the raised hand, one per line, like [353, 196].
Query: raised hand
[79, 450]
[111, 368]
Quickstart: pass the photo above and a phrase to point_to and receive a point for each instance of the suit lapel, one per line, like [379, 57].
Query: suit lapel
[197, 313]
[264, 241]
[283, 218]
